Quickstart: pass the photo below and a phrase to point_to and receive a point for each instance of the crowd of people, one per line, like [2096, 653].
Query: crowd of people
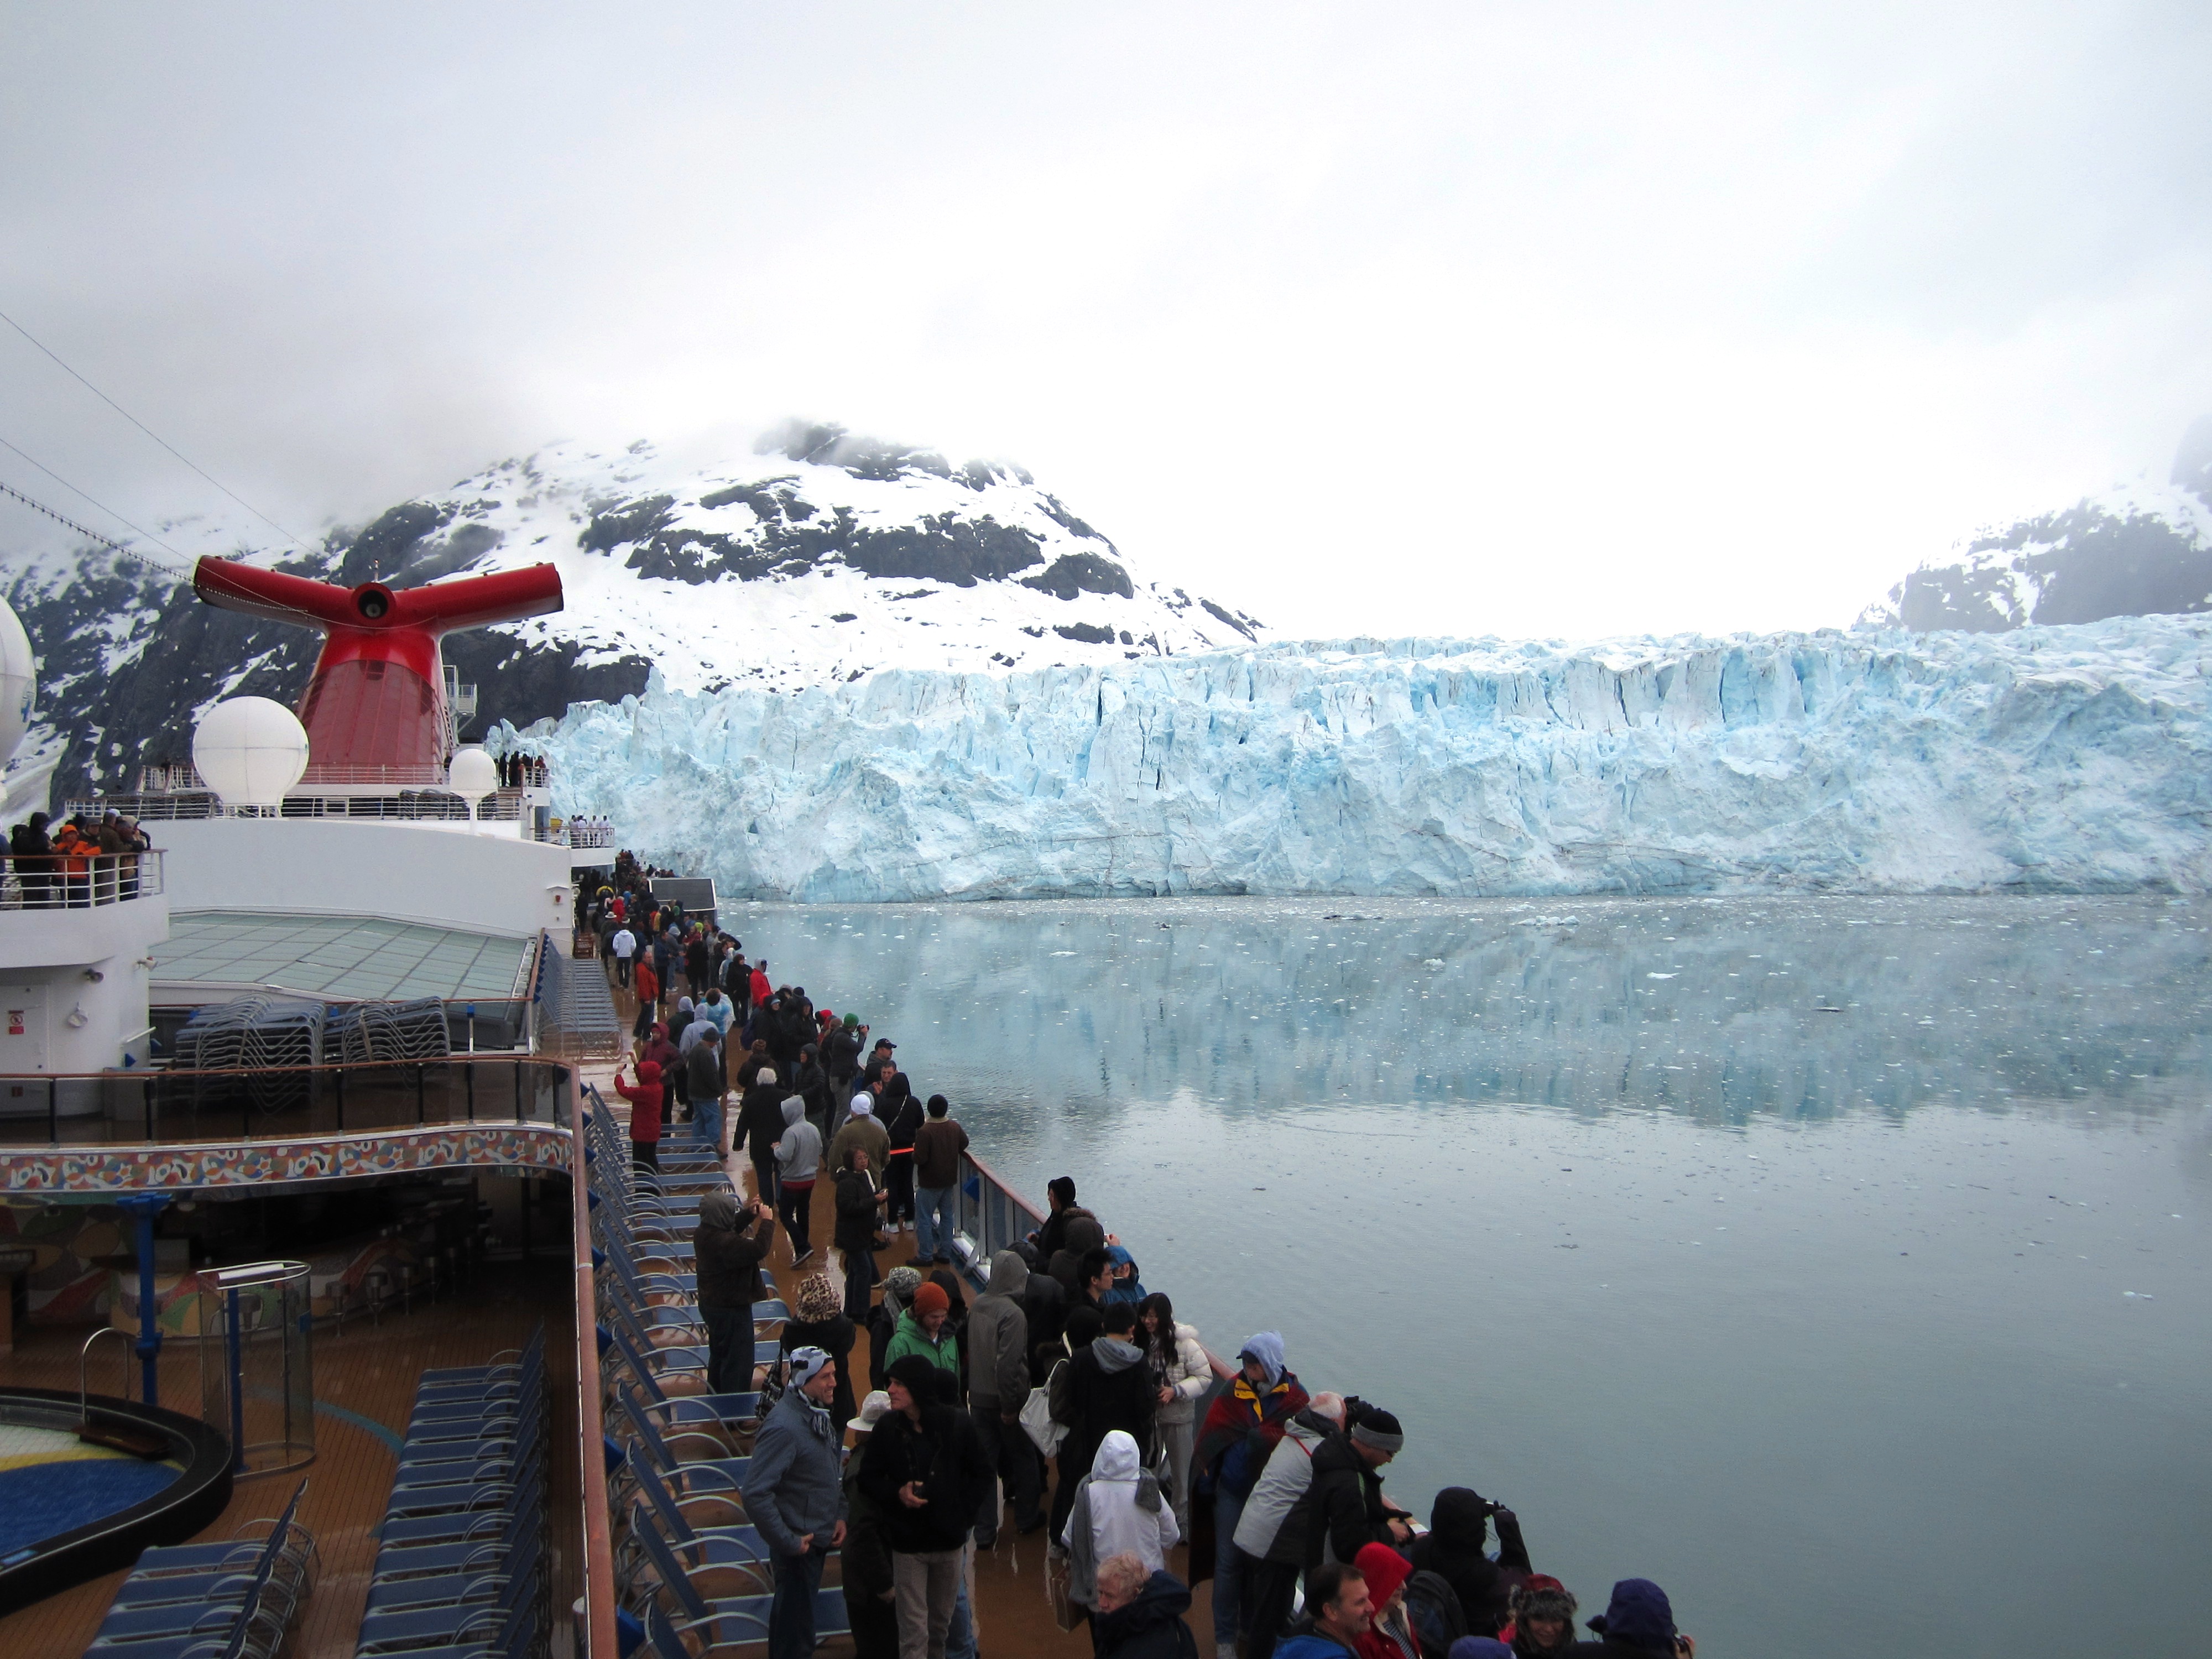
[57, 867]
[1067, 1390]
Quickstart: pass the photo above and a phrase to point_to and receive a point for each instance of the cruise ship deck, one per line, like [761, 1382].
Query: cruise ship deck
[366, 1369]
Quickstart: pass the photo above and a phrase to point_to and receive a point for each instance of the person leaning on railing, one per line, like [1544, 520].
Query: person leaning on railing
[32, 850]
[74, 848]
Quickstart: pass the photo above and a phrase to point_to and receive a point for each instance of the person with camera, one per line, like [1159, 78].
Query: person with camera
[1459, 1526]
[1638, 1622]
[925, 1472]
[730, 1244]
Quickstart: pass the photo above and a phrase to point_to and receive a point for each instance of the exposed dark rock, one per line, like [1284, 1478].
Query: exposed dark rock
[826, 444]
[1072, 574]
[1067, 522]
[520, 682]
[957, 551]
[1242, 623]
[1084, 633]
[627, 521]
[381, 551]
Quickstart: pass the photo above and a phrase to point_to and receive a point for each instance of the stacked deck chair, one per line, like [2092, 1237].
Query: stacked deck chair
[237, 1599]
[695, 1571]
[463, 1570]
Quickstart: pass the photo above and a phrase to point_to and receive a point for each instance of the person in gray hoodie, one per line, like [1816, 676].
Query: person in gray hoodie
[794, 1496]
[997, 1385]
[798, 1157]
[1270, 1532]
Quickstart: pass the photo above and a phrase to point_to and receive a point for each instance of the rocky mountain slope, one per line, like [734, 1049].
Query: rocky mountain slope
[2140, 549]
[822, 557]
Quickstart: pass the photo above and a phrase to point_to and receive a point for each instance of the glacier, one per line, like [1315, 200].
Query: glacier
[2048, 759]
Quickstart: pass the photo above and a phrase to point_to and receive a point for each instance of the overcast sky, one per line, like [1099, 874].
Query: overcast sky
[1520, 320]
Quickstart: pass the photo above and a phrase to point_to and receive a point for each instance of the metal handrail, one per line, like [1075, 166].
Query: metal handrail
[77, 881]
[83, 1367]
[597, 1635]
[992, 1220]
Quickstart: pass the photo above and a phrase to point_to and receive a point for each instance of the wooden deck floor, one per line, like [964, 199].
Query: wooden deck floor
[368, 1371]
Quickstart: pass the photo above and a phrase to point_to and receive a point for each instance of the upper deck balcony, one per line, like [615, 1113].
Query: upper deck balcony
[61, 911]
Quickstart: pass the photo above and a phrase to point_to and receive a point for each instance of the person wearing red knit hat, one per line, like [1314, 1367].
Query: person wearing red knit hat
[926, 1328]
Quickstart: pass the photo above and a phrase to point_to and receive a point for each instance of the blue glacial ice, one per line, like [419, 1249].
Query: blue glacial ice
[2048, 759]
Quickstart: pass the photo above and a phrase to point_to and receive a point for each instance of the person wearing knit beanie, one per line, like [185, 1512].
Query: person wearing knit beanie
[925, 1329]
[1543, 1619]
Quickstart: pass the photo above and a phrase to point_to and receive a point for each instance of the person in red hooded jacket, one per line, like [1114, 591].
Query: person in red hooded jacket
[644, 1113]
[1391, 1634]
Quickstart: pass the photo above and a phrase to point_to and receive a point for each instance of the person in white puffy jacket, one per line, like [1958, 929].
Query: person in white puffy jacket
[1182, 1373]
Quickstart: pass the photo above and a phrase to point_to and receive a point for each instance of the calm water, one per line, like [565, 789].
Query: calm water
[1838, 1263]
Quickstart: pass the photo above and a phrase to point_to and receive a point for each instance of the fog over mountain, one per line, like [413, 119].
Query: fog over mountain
[2133, 551]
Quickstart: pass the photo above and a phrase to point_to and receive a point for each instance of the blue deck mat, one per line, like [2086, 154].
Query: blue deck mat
[45, 1499]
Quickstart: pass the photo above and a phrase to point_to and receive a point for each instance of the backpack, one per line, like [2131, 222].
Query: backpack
[1433, 1610]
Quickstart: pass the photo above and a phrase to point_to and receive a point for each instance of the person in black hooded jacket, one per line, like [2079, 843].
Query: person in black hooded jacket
[1458, 1527]
[927, 1472]
[1346, 1509]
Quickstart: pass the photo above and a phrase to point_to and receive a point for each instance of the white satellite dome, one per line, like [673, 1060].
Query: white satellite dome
[250, 751]
[19, 681]
[473, 774]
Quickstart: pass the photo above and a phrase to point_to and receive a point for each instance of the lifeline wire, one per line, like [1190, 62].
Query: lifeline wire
[92, 535]
[102, 506]
[155, 436]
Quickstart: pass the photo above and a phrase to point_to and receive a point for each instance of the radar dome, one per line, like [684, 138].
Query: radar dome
[250, 751]
[473, 774]
[19, 682]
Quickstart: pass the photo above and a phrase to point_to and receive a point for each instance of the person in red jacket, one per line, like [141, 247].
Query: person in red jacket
[644, 1113]
[646, 983]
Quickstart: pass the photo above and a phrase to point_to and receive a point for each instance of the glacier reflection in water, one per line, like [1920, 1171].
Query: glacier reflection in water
[1813, 1256]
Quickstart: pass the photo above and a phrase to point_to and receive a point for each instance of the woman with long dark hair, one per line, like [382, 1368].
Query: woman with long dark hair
[1181, 1373]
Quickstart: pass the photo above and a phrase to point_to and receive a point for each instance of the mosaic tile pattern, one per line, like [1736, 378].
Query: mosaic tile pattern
[330, 1157]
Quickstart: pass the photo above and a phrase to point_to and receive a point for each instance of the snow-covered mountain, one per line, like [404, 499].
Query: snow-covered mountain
[2074, 758]
[821, 558]
[2137, 550]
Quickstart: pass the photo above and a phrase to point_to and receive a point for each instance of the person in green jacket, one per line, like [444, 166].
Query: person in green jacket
[924, 1328]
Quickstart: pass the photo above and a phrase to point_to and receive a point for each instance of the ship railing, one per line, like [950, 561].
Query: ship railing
[992, 1216]
[157, 1105]
[62, 881]
[504, 807]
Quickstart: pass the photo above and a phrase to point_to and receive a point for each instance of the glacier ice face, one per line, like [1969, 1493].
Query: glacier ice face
[2050, 758]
